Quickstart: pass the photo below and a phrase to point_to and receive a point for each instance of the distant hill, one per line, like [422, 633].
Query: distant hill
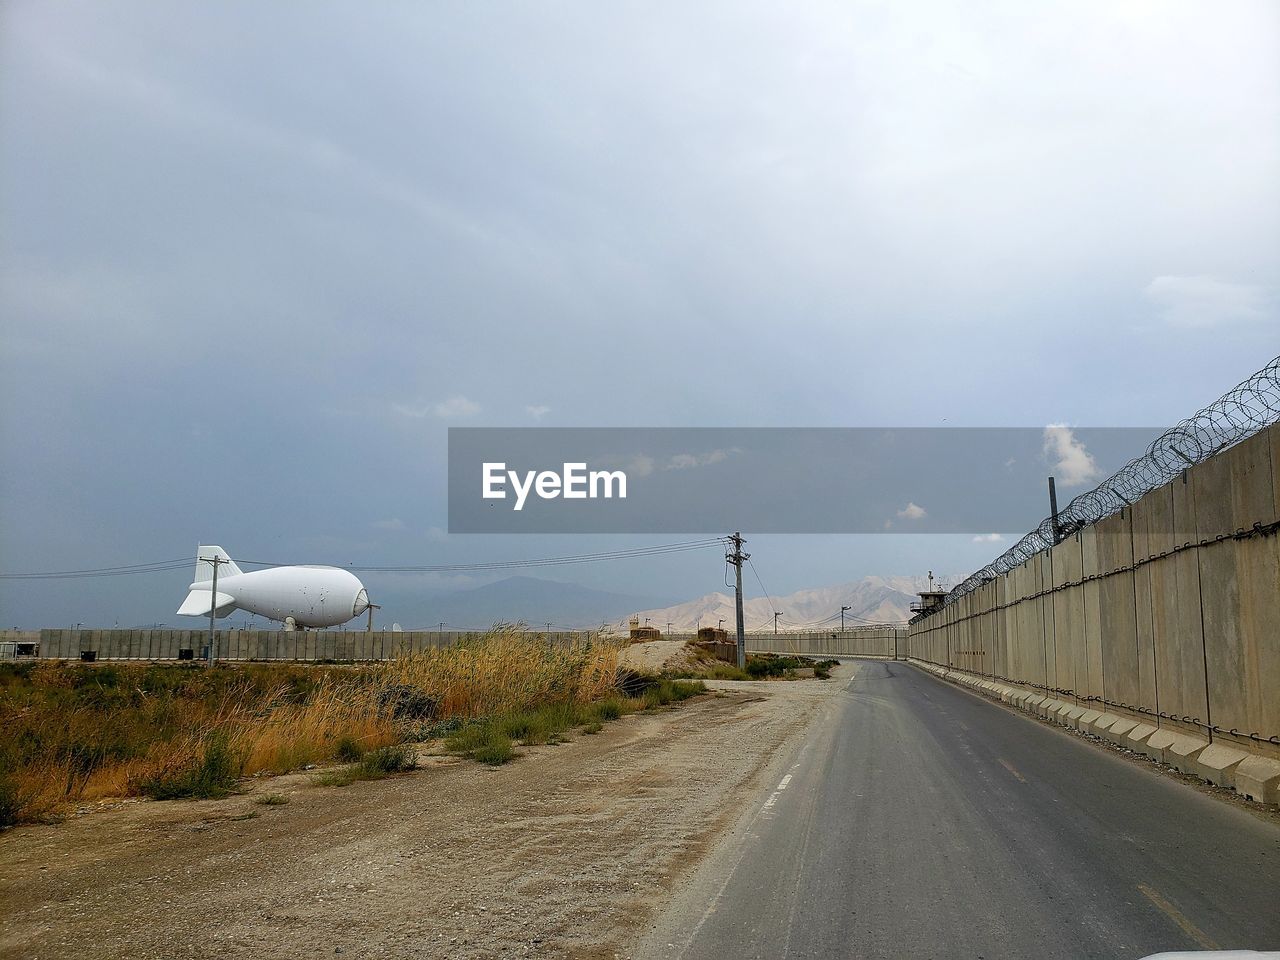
[871, 599]
[533, 600]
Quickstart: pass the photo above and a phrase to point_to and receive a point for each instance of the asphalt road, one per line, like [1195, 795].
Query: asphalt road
[921, 821]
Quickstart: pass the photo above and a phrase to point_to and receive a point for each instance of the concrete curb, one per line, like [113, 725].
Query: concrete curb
[1227, 765]
[1258, 778]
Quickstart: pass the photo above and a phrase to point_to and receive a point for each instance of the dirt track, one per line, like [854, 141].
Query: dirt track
[563, 853]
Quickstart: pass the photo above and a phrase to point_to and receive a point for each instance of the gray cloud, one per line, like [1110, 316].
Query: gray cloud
[237, 237]
[1072, 464]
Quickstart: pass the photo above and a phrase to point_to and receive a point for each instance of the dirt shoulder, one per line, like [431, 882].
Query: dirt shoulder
[563, 853]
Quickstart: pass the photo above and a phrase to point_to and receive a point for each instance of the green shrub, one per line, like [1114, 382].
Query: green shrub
[822, 668]
[611, 708]
[212, 776]
[373, 765]
[710, 670]
[386, 760]
[727, 671]
[483, 741]
[765, 666]
[762, 668]
[547, 723]
[527, 726]
[349, 750]
[495, 750]
[664, 692]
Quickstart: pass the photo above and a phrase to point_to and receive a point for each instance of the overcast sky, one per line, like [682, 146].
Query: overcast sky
[256, 258]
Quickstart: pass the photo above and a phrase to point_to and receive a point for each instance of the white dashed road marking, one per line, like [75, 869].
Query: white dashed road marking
[773, 797]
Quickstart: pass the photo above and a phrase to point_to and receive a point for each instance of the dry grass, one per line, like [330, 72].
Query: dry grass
[73, 733]
[506, 671]
[288, 736]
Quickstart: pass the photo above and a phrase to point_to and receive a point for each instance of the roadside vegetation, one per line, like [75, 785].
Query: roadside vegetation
[493, 740]
[759, 666]
[74, 733]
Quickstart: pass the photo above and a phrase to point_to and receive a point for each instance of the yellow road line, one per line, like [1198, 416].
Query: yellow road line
[1174, 914]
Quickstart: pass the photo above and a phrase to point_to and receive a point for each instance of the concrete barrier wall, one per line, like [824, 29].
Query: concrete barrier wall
[876, 642]
[297, 645]
[1168, 612]
[322, 645]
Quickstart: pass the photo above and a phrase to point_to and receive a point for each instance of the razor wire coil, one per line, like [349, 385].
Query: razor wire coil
[1250, 407]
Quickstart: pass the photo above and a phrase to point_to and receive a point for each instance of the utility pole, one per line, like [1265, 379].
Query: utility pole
[213, 608]
[668, 628]
[776, 615]
[738, 558]
[842, 610]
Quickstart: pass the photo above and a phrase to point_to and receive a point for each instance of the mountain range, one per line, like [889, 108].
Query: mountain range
[570, 606]
[870, 600]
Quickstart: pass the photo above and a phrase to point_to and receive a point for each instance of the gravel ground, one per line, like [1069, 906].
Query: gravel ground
[564, 853]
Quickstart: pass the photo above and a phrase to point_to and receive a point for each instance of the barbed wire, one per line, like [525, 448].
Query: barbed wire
[1252, 406]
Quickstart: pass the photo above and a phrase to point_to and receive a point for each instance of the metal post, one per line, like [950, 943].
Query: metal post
[842, 610]
[1053, 511]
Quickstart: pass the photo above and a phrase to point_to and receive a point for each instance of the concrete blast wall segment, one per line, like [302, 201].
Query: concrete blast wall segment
[863, 642]
[1167, 613]
[324, 645]
[299, 645]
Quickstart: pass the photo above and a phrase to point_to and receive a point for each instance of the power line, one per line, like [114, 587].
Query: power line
[650, 551]
[158, 566]
[861, 622]
[761, 582]
[161, 566]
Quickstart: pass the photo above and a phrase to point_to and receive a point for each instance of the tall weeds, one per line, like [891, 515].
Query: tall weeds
[73, 733]
[505, 671]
